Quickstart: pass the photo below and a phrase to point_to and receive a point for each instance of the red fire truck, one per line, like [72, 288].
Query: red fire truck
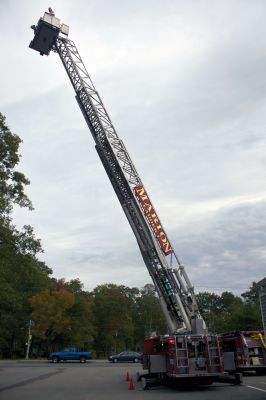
[244, 351]
[183, 359]
[189, 354]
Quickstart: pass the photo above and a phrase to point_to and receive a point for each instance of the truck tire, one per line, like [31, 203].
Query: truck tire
[82, 359]
[55, 359]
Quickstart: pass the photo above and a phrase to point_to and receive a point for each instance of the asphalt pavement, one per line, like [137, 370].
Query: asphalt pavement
[101, 380]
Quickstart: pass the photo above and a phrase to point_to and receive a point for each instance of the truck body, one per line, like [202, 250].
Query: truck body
[70, 354]
[244, 351]
[183, 359]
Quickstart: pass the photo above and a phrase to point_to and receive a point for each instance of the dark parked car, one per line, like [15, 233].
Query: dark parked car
[126, 356]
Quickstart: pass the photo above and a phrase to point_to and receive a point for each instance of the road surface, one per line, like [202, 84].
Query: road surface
[100, 380]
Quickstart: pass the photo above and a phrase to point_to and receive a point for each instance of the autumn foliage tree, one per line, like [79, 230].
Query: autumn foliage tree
[50, 315]
[62, 316]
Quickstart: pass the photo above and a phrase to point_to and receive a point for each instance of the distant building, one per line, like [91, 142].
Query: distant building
[261, 287]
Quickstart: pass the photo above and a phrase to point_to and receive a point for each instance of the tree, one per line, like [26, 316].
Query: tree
[251, 295]
[12, 182]
[210, 306]
[227, 312]
[112, 309]
[21, 274]
[81, 331]
[148, 316]
[50, 313]
[62, 316]
[208, 302]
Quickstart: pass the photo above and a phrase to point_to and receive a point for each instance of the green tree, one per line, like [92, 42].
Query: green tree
[147, 316]
[112, 309]
[208, 302]
[246, 316]
[12, 182]
[252, 311]
[251, 295]
[21, 274]
[81, 332]
[228, 312]
[210, 306]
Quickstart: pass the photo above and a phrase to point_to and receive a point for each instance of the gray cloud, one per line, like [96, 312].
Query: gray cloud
[227, 248]
[184, 84]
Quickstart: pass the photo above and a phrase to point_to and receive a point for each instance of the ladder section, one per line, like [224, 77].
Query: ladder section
[124, 178]
[175, 291]
[213, 354]
[182, 361]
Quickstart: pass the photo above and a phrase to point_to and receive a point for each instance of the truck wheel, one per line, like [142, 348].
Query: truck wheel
[136, 360]
[55, 359]
[115, 360]
[82, 359]
[238, 378]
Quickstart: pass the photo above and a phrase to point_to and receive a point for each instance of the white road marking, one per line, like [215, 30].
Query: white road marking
[253, 387]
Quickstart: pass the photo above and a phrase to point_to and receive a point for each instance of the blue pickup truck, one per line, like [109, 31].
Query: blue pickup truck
[70, 354]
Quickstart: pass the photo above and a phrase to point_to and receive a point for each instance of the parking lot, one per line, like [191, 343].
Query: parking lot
[101, 380]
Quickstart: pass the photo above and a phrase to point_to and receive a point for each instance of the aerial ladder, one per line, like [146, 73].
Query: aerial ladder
[174, 289]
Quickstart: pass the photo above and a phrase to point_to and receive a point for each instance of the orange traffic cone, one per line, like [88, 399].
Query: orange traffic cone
[127, 377]
[131, 385]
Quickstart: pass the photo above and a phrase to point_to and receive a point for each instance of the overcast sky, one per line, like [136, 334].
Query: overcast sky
[185, 85]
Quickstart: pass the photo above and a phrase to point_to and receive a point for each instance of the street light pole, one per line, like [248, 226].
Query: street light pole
[29, 340]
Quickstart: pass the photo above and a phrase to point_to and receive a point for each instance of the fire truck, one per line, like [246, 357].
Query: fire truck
[244, 351]
[188, 354]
